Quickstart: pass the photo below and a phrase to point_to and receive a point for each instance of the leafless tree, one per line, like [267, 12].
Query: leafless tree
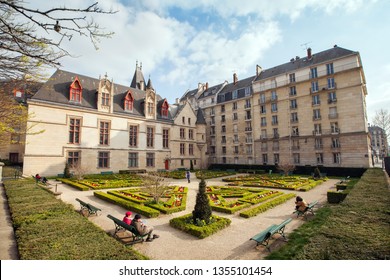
[31, 38]
[156, 184]
[382, 120]
[286, 167]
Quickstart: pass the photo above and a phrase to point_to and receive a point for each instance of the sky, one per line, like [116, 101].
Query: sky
[183, 43]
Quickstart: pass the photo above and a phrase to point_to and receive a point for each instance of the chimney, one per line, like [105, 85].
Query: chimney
[235, 79]
[177, 100]
[207, 85]
[258, 70]
[141, 85]
[309, 54]
[200, 87]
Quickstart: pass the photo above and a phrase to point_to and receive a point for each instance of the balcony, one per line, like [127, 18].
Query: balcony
[247, 106]
[332, 100]
[248, 128]
[248, 117]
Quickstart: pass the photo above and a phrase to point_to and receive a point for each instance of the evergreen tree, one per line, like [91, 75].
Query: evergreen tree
[191, 165]
[202, 210]
[67, 171]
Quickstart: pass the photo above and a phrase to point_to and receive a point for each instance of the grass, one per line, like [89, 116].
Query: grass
[356, 229]
[48, 229]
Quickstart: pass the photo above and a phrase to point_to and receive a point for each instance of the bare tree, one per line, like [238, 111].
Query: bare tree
[382, 120]
[156, 184]
[286, 167]
[24, 51]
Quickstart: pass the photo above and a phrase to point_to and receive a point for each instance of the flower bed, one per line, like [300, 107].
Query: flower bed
[209, 174]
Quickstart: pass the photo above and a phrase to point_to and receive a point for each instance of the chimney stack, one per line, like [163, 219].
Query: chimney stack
[207, 85]
[258, 70]
[309, 54]
[235, 79]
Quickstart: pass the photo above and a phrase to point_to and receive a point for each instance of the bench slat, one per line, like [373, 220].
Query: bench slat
[263, 237]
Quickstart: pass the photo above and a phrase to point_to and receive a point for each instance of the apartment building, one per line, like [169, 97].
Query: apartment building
[379, 144]
[308, 111]
[95, 125]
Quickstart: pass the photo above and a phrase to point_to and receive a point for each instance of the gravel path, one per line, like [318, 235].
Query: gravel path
[231, 243]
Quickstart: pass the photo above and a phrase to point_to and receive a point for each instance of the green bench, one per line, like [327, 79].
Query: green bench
[106, 172]
[92, 210]
[122, 226]
[308, 210]
[265, 236]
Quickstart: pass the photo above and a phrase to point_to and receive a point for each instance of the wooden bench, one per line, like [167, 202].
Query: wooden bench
[122, 226]
[308, 210]
[89, 207]
[264, 237]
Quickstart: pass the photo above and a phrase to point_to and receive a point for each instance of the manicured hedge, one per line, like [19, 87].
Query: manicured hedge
[185, 224]
[143, 210]
[74, 184]
[266, 206]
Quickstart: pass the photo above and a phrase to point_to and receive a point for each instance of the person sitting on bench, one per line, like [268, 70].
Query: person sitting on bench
[143, 229]
[300, 204]
[127, 218]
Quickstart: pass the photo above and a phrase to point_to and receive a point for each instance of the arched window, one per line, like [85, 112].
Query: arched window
[129, 102]
[164, 109]
[75, 91]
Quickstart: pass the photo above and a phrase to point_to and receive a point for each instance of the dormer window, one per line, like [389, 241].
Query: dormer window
[129, 102]
[75, 91]
[164, 109]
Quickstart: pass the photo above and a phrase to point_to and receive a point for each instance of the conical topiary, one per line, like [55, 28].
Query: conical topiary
[202, 210]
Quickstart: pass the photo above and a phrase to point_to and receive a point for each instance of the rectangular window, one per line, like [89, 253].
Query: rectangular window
[317, 129]
[265, 158]
[182, 149]
[313, 73]
[165, 138]
[75, 94]
[235, 106]
[292, 77]
[222, 108]
[316, 100]
[334, 127]
[274, 107]
[316, 114]
[293, 90]
[74, 130]
[335, 143]
[223, 129]
[294, 117]
[129, 105]
[104, 159]
[150, 108]
[182, 133]
[295, 131]
[73, 158]
[191, 149]
[235, 94]
[329, 69]
[191, 134]
[318, 143]
[247, 103]
[320, 158]
[293, 104]
[337, 158]
[297, 158]
[263, 109]
[247, 91]
[133, 160]
[333, 113]
[133, 135]
[274, 96]
[274, 119]
[262, 98]
[104, 133]
[314, 86]
[276, 158]
[105, 99]
[332, 97]
[235, 116]
[189, 121]
[263, 121]
[331, 83]
[150, 159]
[223, 118]
[223, 150]
[150, 137]
[275, 133]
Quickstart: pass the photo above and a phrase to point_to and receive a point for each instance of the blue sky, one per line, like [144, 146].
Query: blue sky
[183, 43]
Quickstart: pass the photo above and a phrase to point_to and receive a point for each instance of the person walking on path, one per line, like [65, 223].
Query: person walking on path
[188, 176]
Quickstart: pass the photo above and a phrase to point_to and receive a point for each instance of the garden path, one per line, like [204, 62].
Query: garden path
[231, 243]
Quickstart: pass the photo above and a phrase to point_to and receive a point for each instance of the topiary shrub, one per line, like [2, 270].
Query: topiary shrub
[202, 210]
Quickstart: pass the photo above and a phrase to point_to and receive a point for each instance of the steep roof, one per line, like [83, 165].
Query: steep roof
[200, 117]
[56, 90]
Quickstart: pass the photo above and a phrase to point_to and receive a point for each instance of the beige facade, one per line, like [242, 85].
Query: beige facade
[103, 138]
[310, 111]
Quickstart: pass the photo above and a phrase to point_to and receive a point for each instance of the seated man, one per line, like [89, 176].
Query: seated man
[300, 204]
[143, 229]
